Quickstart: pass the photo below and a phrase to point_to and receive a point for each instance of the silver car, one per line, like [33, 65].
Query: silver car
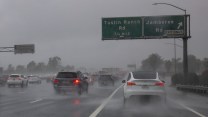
[17, 79]
[143, 83]
[34, 79]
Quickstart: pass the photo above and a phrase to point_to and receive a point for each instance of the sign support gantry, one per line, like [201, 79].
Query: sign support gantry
[19, 49]
[6, 49]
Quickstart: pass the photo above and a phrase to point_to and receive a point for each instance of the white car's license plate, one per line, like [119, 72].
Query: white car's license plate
[145, 87]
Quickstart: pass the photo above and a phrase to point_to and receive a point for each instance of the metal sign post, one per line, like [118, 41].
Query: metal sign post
[185, 48]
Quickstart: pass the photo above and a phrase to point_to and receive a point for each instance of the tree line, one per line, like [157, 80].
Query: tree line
[155, 62]
[53, 65]
[198, 69]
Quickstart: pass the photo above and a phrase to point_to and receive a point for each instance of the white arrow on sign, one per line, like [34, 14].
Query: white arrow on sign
[179, 25]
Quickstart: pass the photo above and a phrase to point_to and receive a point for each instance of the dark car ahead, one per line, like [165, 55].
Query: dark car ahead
[70, 80]
[105, 80]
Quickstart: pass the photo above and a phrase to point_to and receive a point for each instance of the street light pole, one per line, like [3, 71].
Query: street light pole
[175, 54]
[185, 39]
[172, 6]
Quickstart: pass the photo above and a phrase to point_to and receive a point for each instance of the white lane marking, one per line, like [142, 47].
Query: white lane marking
[97, 111]
[36, 100]
[188, 108]
[13, 101]
[192, 110]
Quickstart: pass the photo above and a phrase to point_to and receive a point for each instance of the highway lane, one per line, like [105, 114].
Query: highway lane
[179, 104]
[148, 108]
[42, 101]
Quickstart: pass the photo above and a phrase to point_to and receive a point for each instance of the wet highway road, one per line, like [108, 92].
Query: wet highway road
[40, 100]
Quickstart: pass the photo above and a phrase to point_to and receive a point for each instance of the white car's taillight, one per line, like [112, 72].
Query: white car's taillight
[18, 78]
[131, 83]
[10, 78]
[161, 84]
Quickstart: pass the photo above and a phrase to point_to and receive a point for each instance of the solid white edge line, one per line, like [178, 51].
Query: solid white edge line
[97, 111]
[192, 110]
[188, 108]
[36, 100]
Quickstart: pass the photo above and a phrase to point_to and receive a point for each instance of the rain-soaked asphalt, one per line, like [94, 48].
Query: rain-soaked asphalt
[40, 100]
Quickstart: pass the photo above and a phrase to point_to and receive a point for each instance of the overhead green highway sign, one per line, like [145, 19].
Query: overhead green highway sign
[121, 28]
[146, 27]
[164, 26]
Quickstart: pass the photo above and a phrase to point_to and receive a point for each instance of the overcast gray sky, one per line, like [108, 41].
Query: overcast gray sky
[71, 29]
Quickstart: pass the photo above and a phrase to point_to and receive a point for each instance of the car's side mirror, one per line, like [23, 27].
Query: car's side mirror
[123, 81]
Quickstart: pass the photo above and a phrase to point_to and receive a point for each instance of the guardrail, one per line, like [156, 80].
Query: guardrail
[193, 88]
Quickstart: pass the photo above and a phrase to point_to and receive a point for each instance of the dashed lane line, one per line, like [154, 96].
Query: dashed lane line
[13, 101]
[36, 100]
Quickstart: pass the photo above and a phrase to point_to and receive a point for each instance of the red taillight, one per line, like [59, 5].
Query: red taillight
[161, 84]
[18, 78]
[76, 82]
[10, 78]
[130, 83]
[55, 81]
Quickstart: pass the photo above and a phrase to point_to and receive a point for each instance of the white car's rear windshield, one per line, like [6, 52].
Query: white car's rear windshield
[144, 75]
[14, 76]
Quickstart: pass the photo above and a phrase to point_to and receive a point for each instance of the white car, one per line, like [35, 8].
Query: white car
[34, 79]
[17, 79]
[143, 83]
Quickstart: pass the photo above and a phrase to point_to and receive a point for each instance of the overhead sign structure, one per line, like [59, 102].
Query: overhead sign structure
[121, 28]
[147, 27]
[25, 48]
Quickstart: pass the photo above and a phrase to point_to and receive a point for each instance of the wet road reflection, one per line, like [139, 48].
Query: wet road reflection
[67, 103]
